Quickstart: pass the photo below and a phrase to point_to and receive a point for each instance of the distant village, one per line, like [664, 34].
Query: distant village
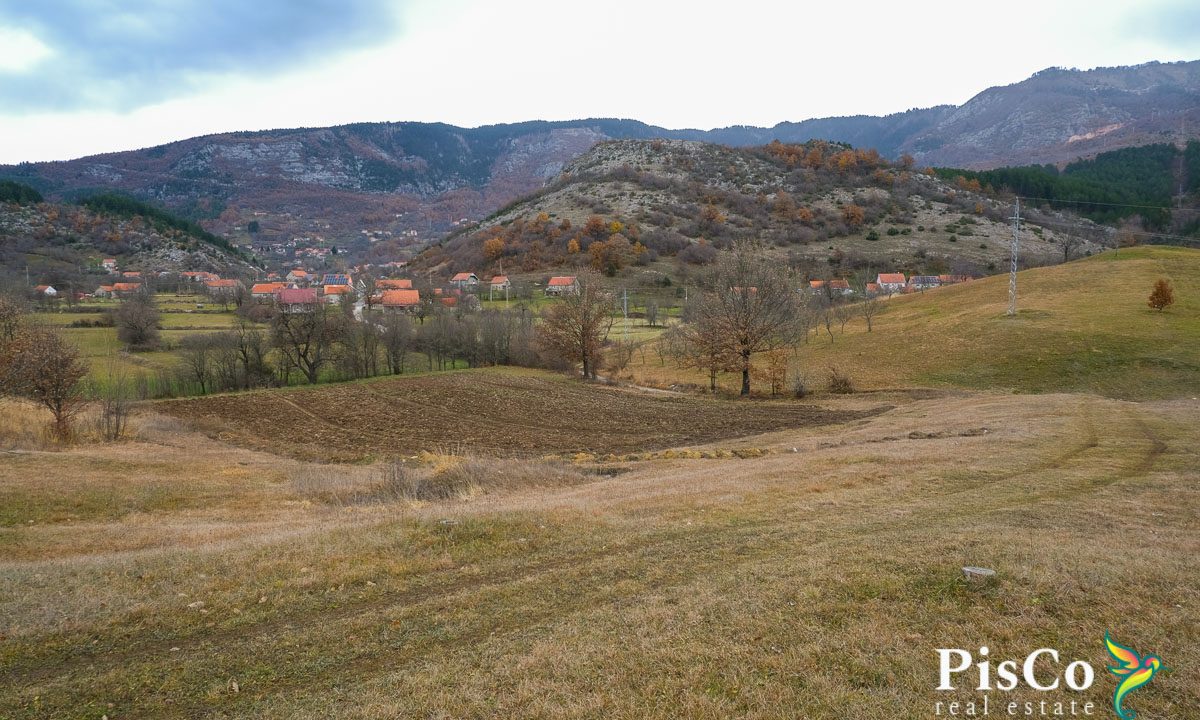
[300, 289]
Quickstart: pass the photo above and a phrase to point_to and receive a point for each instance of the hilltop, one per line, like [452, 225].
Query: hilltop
[382, 189]
[825, 207]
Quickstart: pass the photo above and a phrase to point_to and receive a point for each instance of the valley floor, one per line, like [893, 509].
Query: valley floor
[183, 576]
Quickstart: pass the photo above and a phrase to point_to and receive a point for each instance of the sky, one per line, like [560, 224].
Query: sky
[80, 77]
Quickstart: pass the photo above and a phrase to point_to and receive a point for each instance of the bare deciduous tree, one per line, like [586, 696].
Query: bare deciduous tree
[574, 328]
[38, 364]
[397, 341]
[651, 312]
[137, 322]
[1069, 243]
[869, 308]
[750, 305]
[305, 339]
[700, 347]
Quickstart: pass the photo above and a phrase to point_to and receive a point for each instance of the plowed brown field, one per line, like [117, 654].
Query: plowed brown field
[497, 411]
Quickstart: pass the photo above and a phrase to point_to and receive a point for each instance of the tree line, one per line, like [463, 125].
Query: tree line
[1137, 181]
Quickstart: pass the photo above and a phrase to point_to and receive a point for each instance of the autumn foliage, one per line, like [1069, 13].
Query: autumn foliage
[1162, 295]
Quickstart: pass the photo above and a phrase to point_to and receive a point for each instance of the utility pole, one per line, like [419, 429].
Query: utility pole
[1012, 273]
[625, 313]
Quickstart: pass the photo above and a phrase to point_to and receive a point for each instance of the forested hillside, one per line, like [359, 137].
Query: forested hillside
[1140, 182]
[63, 244]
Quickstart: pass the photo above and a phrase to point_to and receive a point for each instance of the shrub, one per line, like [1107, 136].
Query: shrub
[800, 387]
[1162, 295]
[839, 382]
[872, 236]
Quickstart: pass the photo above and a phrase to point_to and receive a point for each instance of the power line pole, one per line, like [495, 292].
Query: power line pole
[1012, 273]
[625, 313]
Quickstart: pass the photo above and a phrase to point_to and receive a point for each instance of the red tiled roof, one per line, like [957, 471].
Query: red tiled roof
[561, 281]
[499, 279]
[892, 278]
[125, 287]
[449, 301]
[814, 284]
[297, 296]
[401, 298]
[221, 283]
[839, 284]
[267, 288]
[336, 289]
[393, 284]
[461, 277]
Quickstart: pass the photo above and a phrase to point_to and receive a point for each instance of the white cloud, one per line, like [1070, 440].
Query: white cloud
[20, 50]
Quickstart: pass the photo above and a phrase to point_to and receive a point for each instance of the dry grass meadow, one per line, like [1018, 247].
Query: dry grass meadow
[775, 567]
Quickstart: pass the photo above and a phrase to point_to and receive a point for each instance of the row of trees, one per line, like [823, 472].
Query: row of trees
[329, 343]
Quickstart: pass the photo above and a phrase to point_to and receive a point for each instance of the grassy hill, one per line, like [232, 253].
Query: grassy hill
[1083, 326]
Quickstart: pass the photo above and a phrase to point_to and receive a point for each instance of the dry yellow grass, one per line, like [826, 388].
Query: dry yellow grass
[811, 581]
[1082, 327]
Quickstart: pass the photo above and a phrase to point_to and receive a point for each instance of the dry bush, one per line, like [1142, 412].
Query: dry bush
[800, 388]
[445, 477]
[839, 382]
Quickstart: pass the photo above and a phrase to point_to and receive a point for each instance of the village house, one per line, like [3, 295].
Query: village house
[891, 282]
[465, 281]
[333, 294]
[834, 287]
[337, 279]
[131, 274]
[400, 300]
[125, 289]
[199, 276]
[297, 300]
[109, 264]
[500, 285]
[298, 276]
[265, 292]
[872, 289]
[563, 285]
[393, 284]
[46, 291]
[222, 288]
[924, 282]
[104, 291]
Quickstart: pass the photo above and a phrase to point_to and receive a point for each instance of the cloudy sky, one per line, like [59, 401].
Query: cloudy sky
[79, 77]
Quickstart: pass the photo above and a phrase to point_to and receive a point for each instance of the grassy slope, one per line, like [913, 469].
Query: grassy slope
[758, 588]
[1081, 327]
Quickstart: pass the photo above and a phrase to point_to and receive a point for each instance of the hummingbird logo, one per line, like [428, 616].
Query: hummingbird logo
[1133, 671]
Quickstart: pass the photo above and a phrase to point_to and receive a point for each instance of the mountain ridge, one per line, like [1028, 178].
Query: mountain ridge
[405, 184]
